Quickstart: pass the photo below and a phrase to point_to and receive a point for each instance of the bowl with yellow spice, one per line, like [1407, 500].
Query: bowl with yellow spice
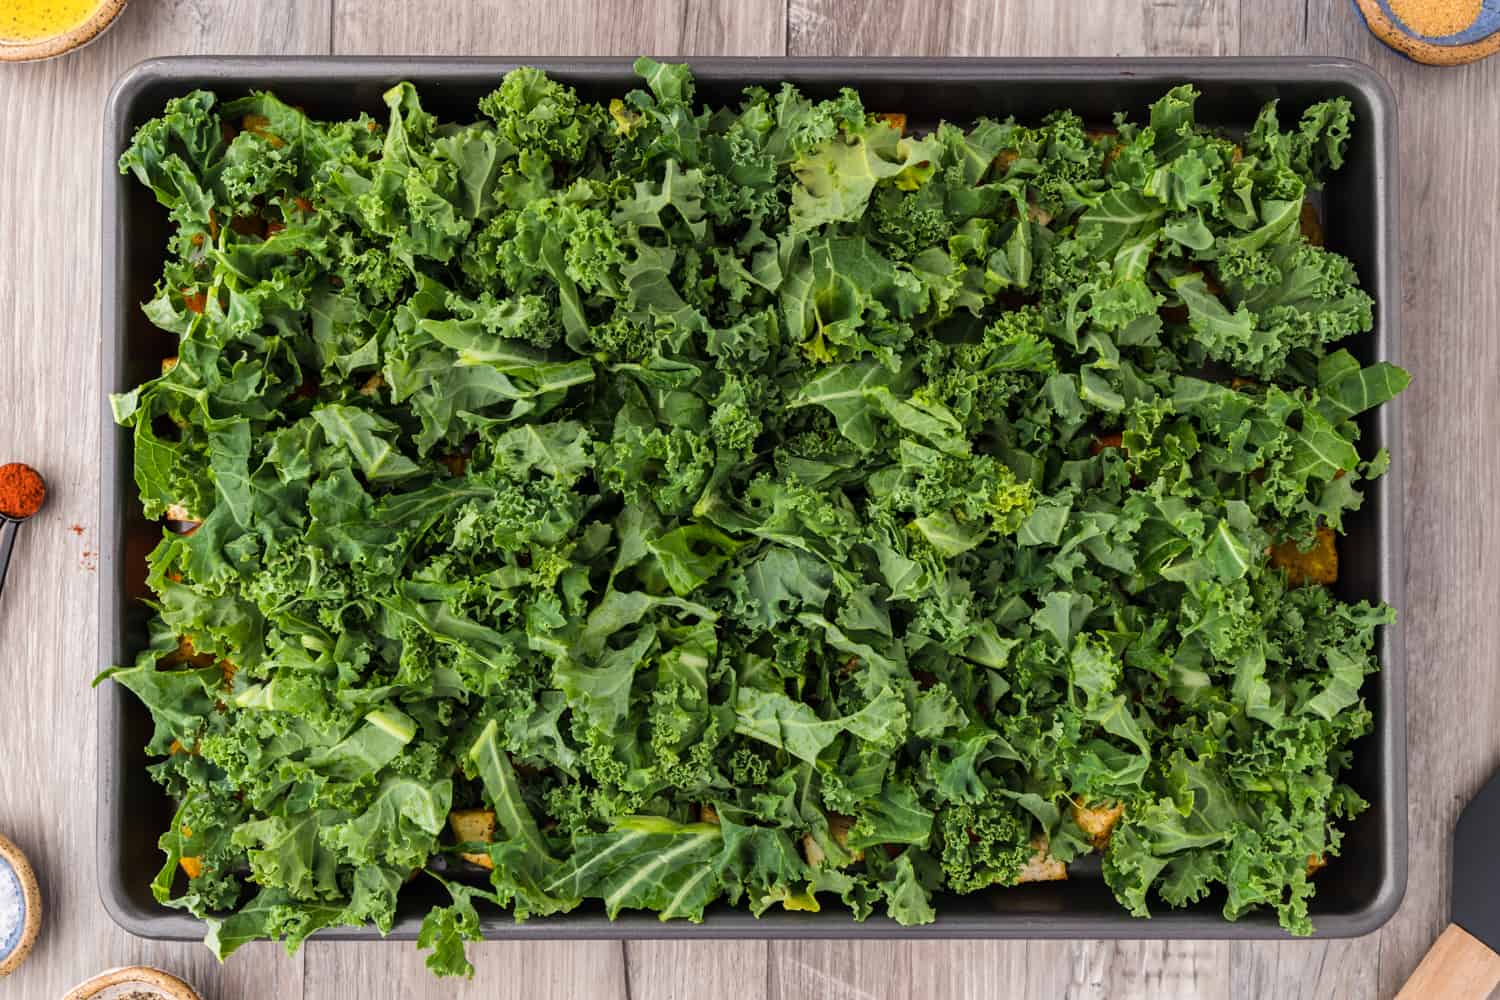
[1437, 32]
[42, 29]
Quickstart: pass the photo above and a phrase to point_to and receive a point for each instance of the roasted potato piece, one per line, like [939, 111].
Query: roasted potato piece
[1098, 821]
[185, 656]
[896, 120]
[1097, 135]
[1312, 226]
[1320, 564]
[474, 825]
[708, 814]
[1315, 862]
[192, 865]
[839, 826]
[261, 126]
[1041, 866]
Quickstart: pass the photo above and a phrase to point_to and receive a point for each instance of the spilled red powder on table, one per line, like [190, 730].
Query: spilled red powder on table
[88, 559]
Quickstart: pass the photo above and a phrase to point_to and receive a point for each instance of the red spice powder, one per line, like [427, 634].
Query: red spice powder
[21, 490]
[76, 529]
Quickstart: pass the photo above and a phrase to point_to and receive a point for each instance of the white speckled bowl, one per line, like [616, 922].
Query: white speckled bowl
[64, 41]
[20, 907]
[138, 981]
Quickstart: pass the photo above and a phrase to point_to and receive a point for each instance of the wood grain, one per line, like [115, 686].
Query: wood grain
[694, 970]
[1150, 970]
[1030, 28]
[1305, 970]
[1450, 140]
[504, 970]
[1458, 965]
[565, 27]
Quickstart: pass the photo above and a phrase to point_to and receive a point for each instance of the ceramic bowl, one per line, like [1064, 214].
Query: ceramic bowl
[20, 907]
[136, 981]
[65, 41]
[1467, 43]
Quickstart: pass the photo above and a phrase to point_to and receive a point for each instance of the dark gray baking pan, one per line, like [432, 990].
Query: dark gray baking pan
[1356, 894]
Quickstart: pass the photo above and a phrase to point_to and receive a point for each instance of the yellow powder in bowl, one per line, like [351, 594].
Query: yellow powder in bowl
[33, 20]
[1436, 18]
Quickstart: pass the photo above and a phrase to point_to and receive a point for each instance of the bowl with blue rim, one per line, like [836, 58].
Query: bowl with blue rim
[1437, 32]
[20, 906]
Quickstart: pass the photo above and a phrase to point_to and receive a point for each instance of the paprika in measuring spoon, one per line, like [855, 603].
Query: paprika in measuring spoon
[22, 492]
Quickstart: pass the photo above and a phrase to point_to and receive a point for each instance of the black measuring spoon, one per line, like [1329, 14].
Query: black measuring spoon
[31, 492]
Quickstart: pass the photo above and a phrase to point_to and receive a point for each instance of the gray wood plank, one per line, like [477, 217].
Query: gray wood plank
[50, 405]
[691, 970]
[1450, 137]
[568, 27]
[1191, 27]
[1149, 970]
[1305, 970]
[941, 970]
[842, 970]
[963, 28]
[504, 970]
[1085, 970]
[1029, 28]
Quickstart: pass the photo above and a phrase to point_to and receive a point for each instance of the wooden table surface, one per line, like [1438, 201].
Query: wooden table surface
[50, 400]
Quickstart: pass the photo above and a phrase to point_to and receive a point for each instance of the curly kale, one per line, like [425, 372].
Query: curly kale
[655, 503]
